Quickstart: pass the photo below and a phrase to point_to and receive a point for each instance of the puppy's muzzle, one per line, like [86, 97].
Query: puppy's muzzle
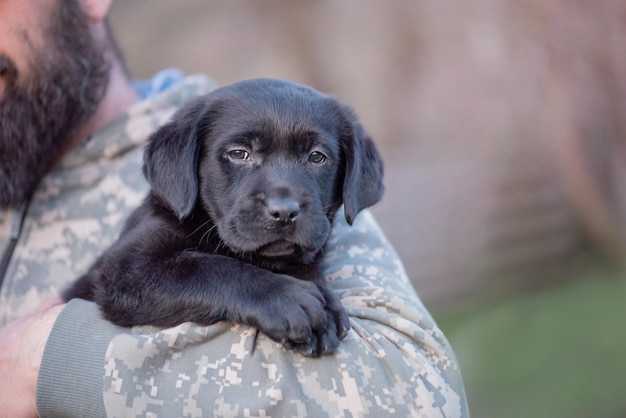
[282, 211]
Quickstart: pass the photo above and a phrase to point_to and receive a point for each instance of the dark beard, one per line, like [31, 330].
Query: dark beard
[39, 115]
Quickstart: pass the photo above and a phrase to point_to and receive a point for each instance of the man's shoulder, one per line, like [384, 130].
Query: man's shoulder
[145, 116]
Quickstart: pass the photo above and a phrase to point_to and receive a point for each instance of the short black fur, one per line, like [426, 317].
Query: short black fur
[245, 183]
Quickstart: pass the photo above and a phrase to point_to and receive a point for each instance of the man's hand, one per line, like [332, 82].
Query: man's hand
[21, 349]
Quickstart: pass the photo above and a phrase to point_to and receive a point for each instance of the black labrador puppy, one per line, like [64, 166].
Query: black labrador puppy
[245, 182]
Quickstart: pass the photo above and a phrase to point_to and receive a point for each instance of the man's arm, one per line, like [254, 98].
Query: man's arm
[22, 344]
[394, 361]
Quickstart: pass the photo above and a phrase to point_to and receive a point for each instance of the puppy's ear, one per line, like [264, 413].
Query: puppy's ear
[363, 181]
[171, 158]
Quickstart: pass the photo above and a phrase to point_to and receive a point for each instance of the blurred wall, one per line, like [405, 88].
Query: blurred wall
[501, 122]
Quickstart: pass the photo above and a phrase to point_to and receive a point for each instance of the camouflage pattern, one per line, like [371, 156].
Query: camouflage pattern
[394, 362]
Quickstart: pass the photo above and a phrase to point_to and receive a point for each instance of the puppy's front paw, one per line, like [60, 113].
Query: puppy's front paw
[287, 310]
[326, 339]
[337, 312]
[304, 316]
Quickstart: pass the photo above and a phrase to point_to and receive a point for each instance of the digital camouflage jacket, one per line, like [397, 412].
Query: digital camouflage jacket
[394, 362]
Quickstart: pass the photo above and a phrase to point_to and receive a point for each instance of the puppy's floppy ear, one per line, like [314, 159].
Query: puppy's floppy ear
[363, 181]
[171, 158]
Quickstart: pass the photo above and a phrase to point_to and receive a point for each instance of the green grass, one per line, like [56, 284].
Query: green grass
[557, 353]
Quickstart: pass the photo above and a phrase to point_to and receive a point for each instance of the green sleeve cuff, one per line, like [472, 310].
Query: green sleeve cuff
[70, 377]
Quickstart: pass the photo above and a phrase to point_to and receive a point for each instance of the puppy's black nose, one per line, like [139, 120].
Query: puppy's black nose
[283, 209]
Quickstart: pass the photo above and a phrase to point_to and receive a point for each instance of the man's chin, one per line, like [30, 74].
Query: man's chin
[37, 121]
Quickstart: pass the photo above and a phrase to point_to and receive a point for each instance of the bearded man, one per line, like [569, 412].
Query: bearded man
[52, 83]
[71, 136]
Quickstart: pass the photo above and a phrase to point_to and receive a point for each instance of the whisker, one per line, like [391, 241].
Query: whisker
[199, 228]
[330, 205]
[207, 233]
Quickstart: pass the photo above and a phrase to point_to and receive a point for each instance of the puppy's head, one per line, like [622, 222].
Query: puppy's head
[269, 161]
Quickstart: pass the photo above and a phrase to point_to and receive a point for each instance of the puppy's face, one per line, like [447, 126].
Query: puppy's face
[269, 161]
[270, 171]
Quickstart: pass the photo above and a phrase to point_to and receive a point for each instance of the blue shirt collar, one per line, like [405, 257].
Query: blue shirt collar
[160, 82]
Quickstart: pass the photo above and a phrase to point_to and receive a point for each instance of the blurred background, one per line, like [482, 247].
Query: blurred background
[503, 128]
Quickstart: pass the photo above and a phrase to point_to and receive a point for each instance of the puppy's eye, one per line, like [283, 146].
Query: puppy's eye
[317, 157]
[238, 154]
